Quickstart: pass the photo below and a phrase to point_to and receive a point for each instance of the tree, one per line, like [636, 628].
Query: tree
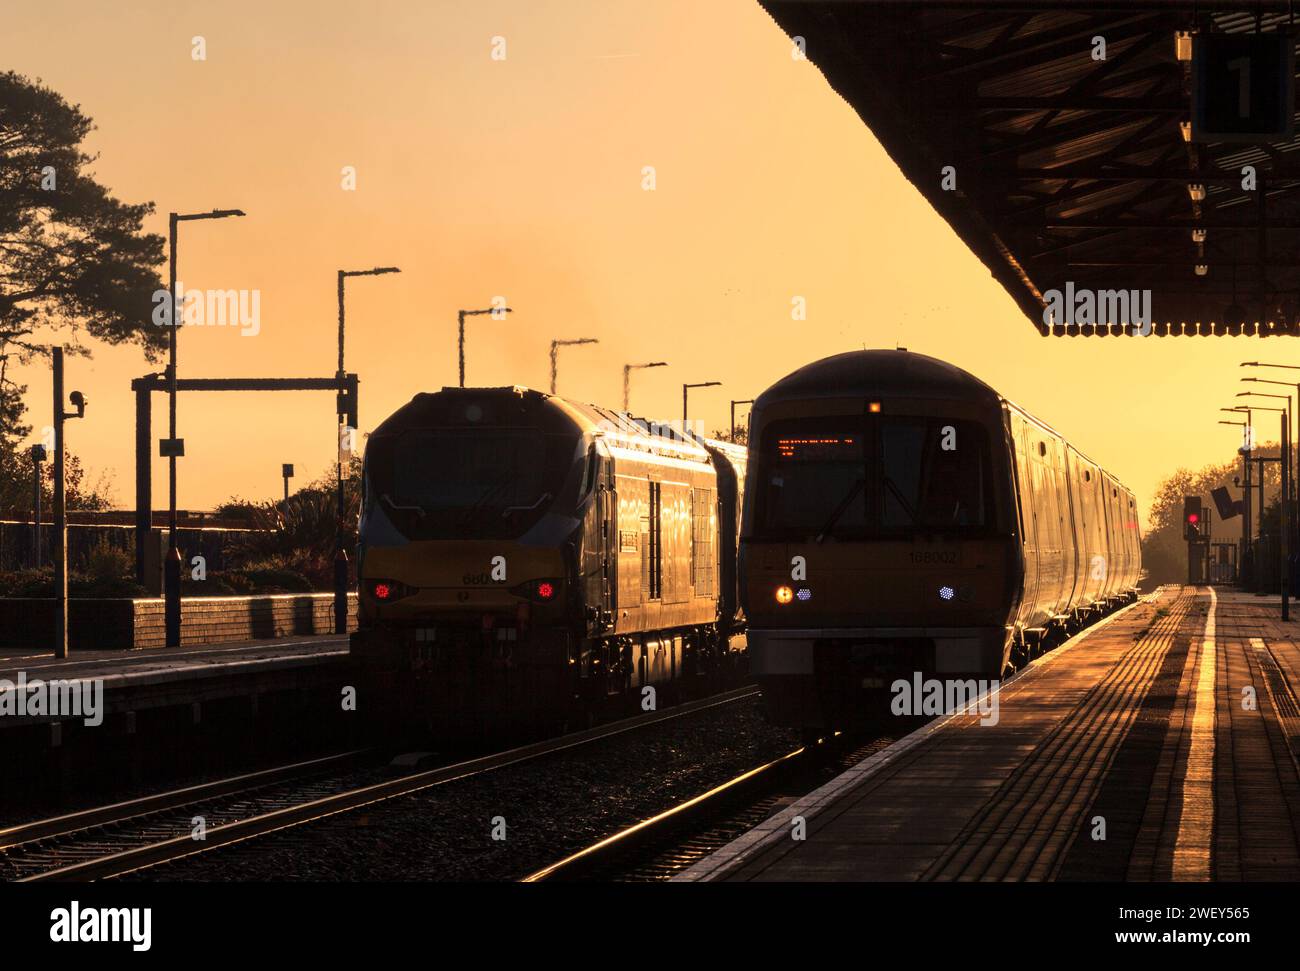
[740, 436]
[16, 485]
[72, 257]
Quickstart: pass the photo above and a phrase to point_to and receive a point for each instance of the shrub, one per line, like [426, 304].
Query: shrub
[272, 575]
[108, 562]
[279, 581]
[211, 587]
[40, 583]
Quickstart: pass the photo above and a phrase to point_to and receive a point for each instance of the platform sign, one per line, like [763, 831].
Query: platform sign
[1227, 506]
[1243, 87]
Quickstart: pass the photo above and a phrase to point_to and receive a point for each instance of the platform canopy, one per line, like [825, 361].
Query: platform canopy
[1075, 168]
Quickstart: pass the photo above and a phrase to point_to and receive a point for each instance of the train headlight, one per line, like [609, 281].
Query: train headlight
[803, 593]
[947, 593]
[784, 595]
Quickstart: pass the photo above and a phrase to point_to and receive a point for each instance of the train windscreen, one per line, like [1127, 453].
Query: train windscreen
[467, 483]
[879, 475]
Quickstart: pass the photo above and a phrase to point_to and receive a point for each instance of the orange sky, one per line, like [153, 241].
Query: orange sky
[523, 178]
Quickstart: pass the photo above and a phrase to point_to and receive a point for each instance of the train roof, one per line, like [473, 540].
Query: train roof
[879, 372]
[883, 373]
[615, 427]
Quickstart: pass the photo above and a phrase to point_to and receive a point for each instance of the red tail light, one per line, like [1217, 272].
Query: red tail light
[386, 591]
[538, 591]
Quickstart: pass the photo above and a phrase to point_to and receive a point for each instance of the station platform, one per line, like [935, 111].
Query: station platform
[161, 677]
[1158, 745]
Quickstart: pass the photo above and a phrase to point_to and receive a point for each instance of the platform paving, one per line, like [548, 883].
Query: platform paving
[134, 680]
[1159, 745]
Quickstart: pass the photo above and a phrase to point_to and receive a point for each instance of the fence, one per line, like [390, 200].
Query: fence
[16, 543]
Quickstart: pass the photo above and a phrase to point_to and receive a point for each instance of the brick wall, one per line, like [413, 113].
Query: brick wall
[28, 624]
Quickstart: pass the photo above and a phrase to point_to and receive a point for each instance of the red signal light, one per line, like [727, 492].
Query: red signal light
[1193, 518]
[382, 591]
[546, 590]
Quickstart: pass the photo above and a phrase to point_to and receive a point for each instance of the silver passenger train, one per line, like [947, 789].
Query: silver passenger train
[902, 516]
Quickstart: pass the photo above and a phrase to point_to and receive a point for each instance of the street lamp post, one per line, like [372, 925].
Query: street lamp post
[60, 543]
[39, 455]
[460, 340]
[1284, 498]
[555, 355]
[344, 439]
[174, 447]
[745, 401]
[1295, 437]
[686, 390]
[286, 471]
[628, 369]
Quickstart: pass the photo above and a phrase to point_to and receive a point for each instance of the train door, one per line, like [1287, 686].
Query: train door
[1024, 476]
[633, 499]
[675, 499]
[1115, 539]
[1046, 502]
[1134, 545]
[1073, 481]
[607, 507]
[1064, 523]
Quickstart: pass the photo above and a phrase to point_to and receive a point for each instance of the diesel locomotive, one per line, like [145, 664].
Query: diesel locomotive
[524, 558]
[901, 516]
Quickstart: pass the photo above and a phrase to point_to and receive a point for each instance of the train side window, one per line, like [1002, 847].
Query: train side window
[653, 555]
[593, 463]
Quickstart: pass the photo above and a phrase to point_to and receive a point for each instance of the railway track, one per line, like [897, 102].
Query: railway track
[660, 846]
[125, 837]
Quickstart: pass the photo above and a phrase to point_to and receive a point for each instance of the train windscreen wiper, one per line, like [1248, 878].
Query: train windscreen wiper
[839, 510]
[544, 497]
[387, 500]
[898, 494]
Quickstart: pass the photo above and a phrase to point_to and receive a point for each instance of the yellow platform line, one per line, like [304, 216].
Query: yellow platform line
[1193, 845]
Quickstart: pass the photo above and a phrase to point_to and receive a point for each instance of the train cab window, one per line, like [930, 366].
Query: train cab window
[853, 478]
[924, 483]
[814, 470]
[463, 483]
